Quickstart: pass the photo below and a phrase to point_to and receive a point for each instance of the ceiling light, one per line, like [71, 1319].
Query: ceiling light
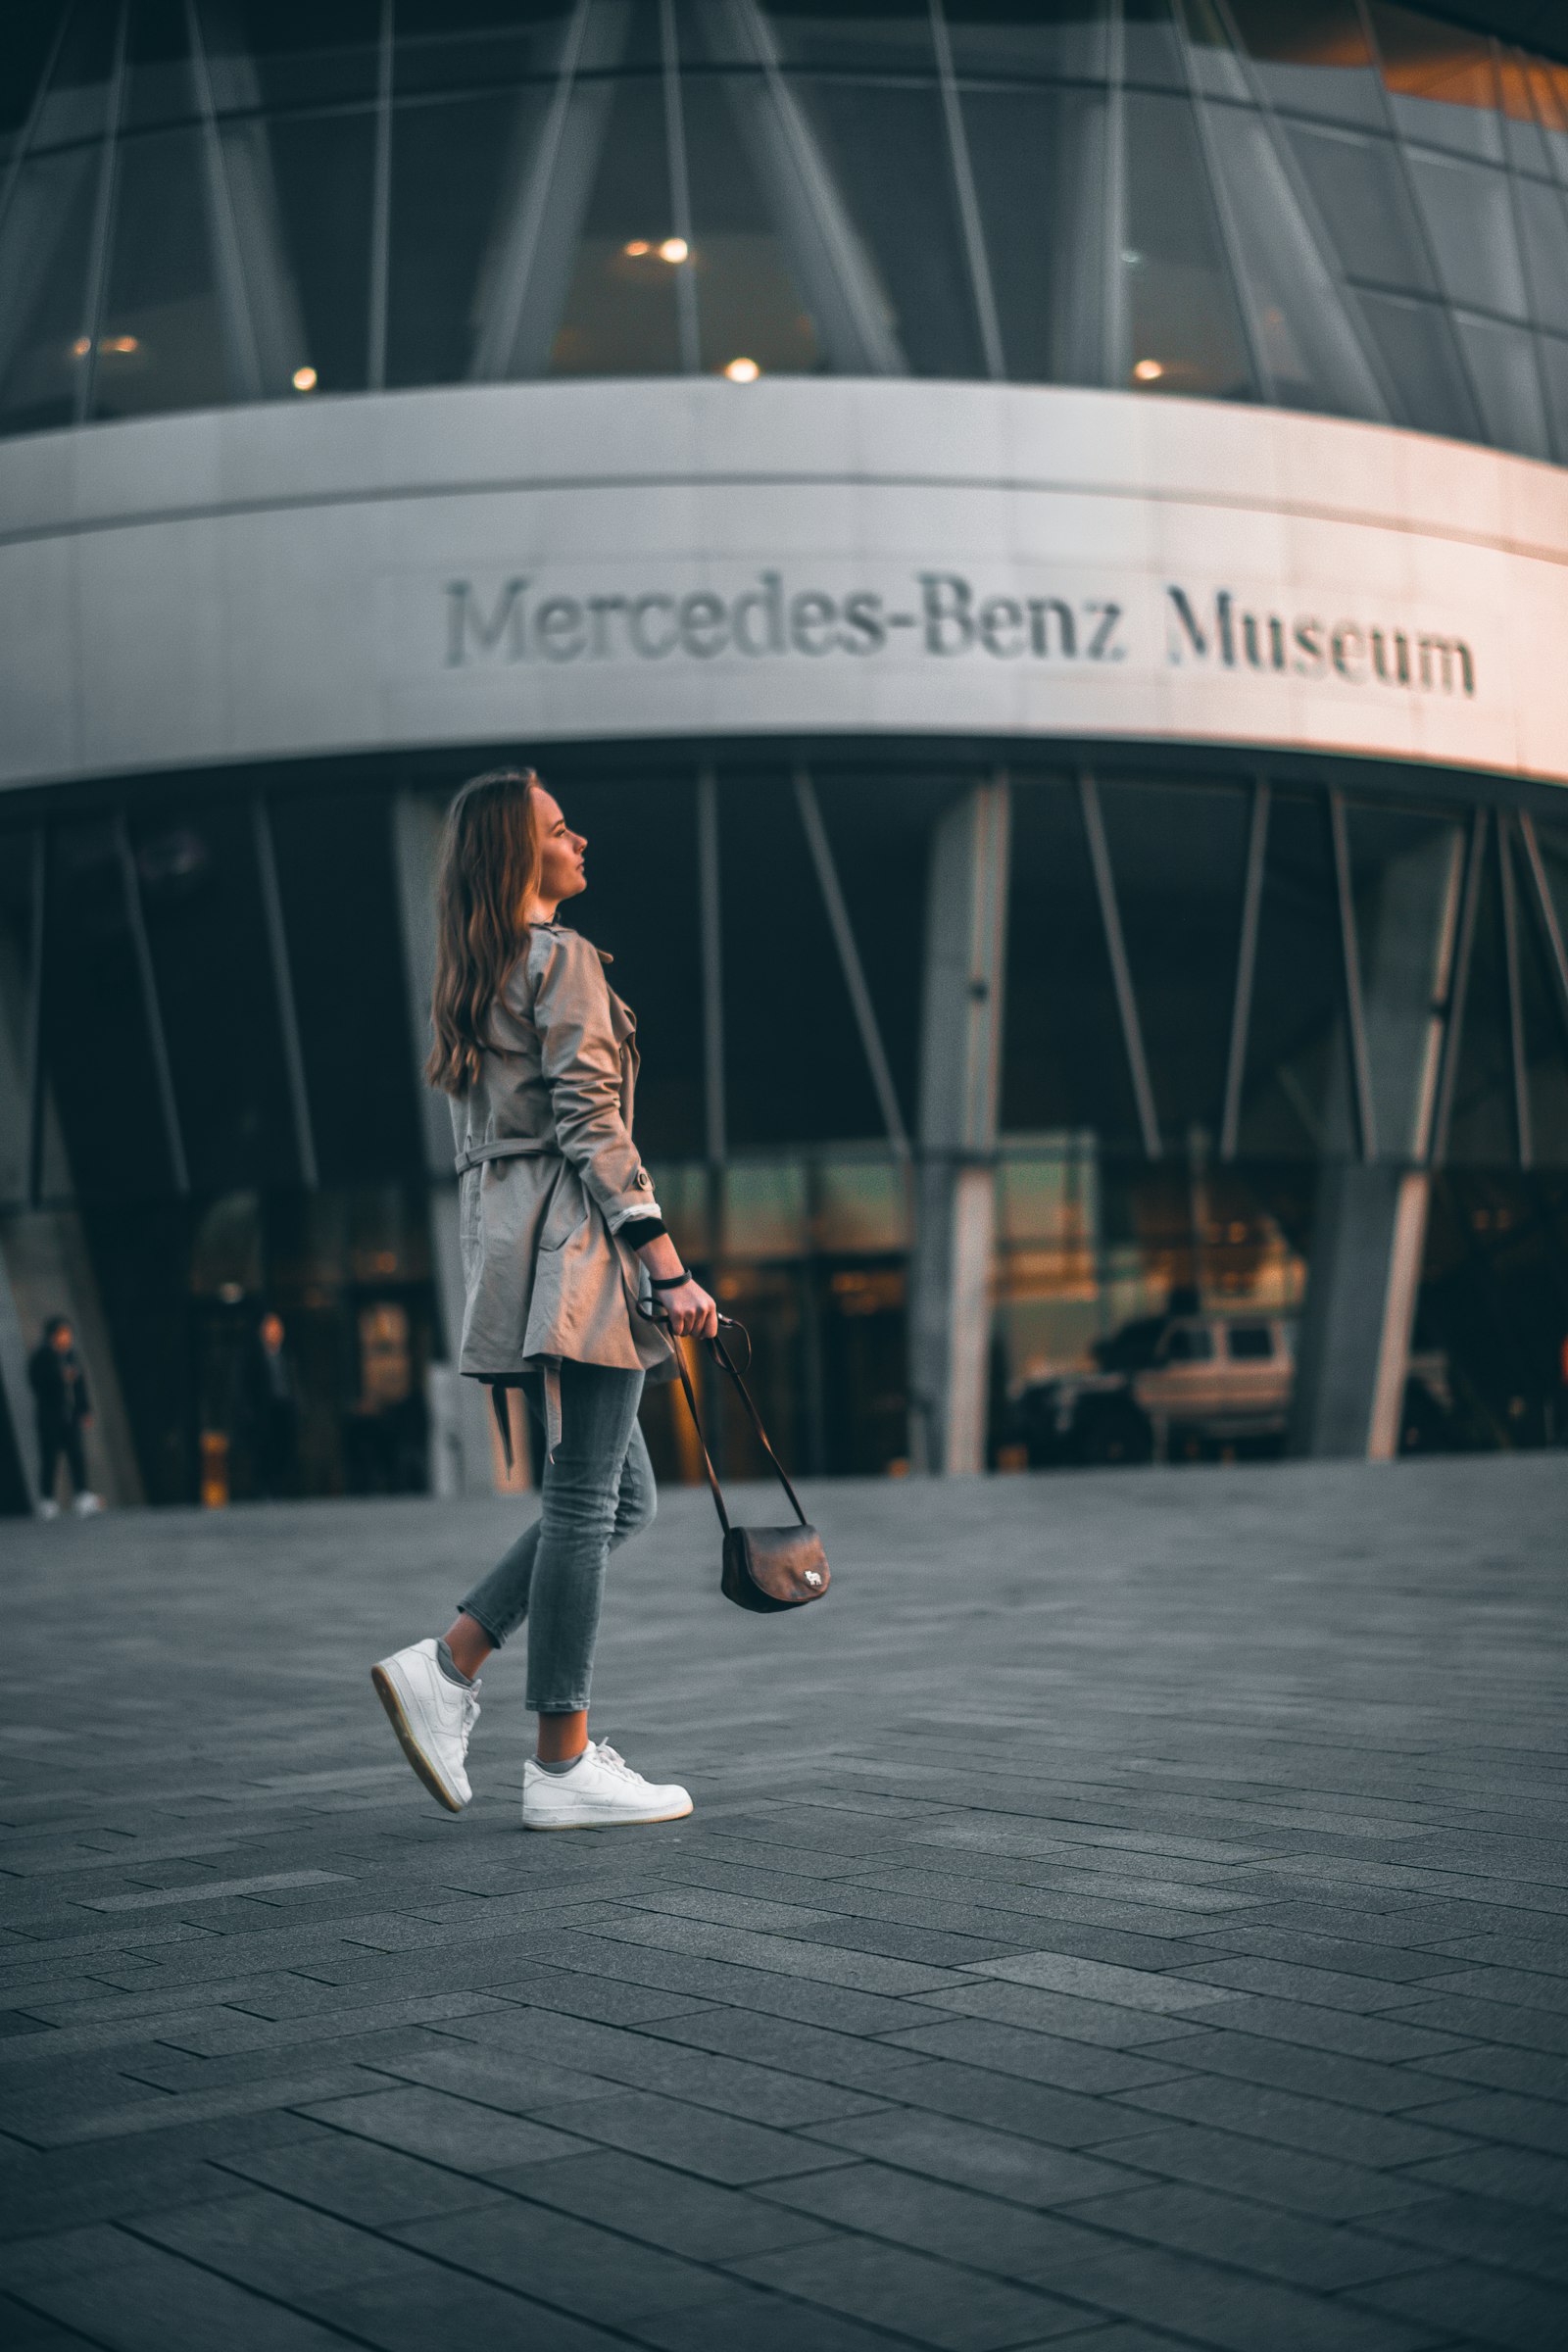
[673, 249]
[1149, 372]
[742, 372]
[304, 379]
[636, 249]
[81, 347]
[121, 343]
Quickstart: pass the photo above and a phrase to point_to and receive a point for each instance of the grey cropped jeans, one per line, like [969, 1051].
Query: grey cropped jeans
[598, 1491]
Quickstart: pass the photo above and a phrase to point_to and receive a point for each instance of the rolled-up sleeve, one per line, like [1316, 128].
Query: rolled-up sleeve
[581, 1058]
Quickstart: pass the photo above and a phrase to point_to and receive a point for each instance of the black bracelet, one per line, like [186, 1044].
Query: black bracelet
[671, 1281]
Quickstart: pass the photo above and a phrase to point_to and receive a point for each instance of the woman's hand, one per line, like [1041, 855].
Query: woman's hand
[692, 1313]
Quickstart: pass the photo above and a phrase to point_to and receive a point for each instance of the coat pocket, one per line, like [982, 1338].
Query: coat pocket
[567, 1211]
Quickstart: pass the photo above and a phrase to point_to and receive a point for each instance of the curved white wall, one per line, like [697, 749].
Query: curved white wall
[516, 562]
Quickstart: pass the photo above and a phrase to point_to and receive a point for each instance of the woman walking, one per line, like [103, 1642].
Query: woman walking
[563, 1242]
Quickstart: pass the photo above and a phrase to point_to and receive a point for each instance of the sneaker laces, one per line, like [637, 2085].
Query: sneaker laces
[471, 1714]
[615, 1759]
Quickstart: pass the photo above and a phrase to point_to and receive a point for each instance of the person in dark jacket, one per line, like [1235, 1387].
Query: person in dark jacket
[267, 1410]
[63, 1409]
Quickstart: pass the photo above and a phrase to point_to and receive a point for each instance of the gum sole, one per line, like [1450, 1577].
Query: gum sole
[386, 1692]
[649, 1821]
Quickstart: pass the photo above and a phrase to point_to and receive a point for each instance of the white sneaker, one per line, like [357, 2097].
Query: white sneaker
[601, 1792]
[86, 1506]
[432, 1716]
[48, 1508]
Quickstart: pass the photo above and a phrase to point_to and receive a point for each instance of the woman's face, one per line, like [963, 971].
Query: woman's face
[561, 871]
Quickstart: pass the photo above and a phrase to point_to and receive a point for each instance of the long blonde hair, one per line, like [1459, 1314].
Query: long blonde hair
[488, 875]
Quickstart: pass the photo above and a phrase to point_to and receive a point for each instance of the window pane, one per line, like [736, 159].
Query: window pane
[1503, 363]
[455, 165]
[1416, 343]
[612, 174]
[18, 851]
[205, 923]
[1544, 222]
[162, 343]
[887, 150]
[325, 166]
[477, 44]
[1470, 221]
[1295, 1095]
[159, 86]
[277, 52]
[1305, 326]
[1482, 1130]
[1440, 81]
[76, 104]
[794, 1067]
[1150, 50]
[749, 301]
[1184, 332]
[1545, 1028]
[1360, 191]
[1064, 1063]
[1178, 853]
[1555, 366]
[894, 38]
[1523, 137]
[635, 873]
[1020, 41]
[103, 1080]
[1405, 870]
[879, 830]
[45, 238]
[335, 871]
[1039, 158]
[1311, 57]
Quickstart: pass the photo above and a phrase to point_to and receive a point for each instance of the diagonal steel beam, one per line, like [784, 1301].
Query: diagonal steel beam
[838, 915]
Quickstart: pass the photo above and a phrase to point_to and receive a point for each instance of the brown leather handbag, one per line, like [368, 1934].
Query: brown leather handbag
[765, 1568]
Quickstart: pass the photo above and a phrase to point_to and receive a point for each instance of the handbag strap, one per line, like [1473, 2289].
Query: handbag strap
[722, 1356]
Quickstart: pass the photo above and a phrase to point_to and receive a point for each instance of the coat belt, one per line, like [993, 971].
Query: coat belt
[504, 1147]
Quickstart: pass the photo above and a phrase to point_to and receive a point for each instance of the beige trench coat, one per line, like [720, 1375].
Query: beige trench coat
[549, 1176]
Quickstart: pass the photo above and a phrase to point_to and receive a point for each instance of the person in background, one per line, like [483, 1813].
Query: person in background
[267, 1410]
[64, 1411]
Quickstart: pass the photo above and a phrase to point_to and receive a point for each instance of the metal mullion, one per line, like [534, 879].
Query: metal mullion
[36, 1081]
[1120, 970]
[98, 260]
[849, 959]
[1114, 344]
[496, 343]
[681, 194]
[974, 244]
[1351, 961]
[1458, 989]
[1246, 968]
[225, 228]
[35, 113]
[1546, 912]
[1516, 1015]
[283, 988]
[1525, 279]
[152, 1013]
[714, 1124]
[380, 212]
[1219, 197]
[1417, 213]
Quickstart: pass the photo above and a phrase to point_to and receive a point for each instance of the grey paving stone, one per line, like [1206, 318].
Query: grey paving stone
[1246, 2237]
[923, 2302]
[661, 2207]
[693, 2139]
[24, 2330]
[590, 2272]
[1027, 2172]
[1270, 1744]
[445, 2130]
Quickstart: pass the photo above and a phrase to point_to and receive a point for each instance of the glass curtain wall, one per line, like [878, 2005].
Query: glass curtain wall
[1214, 983]
[1343, 206]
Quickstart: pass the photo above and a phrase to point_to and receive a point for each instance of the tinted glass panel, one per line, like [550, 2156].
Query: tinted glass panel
[612, 178]
[1440, 81]
[324, 166]
[1311, 56]
[752, 302]
[1420, 355]
[1405, 872]
[1182, 332]
[103, 1077]
[1482, 1130]
[1295, 1098]
[1038, 158]
[18, 856]
[1064, 1064]
[461, 169]
[1508, 385]
[44, 250]
[164, 343]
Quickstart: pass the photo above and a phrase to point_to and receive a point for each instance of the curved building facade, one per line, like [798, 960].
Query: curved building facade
[1042, 529]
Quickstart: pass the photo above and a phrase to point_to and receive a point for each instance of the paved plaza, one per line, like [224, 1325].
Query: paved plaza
[1128, 1914]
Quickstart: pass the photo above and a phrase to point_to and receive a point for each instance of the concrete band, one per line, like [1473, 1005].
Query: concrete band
[546, 561]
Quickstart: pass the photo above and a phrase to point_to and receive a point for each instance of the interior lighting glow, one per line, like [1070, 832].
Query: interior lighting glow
[636, 249]
[742, 372]
[126, 344]
[1149, 372]
[81, 347]
[304, 379]
[673, 249]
